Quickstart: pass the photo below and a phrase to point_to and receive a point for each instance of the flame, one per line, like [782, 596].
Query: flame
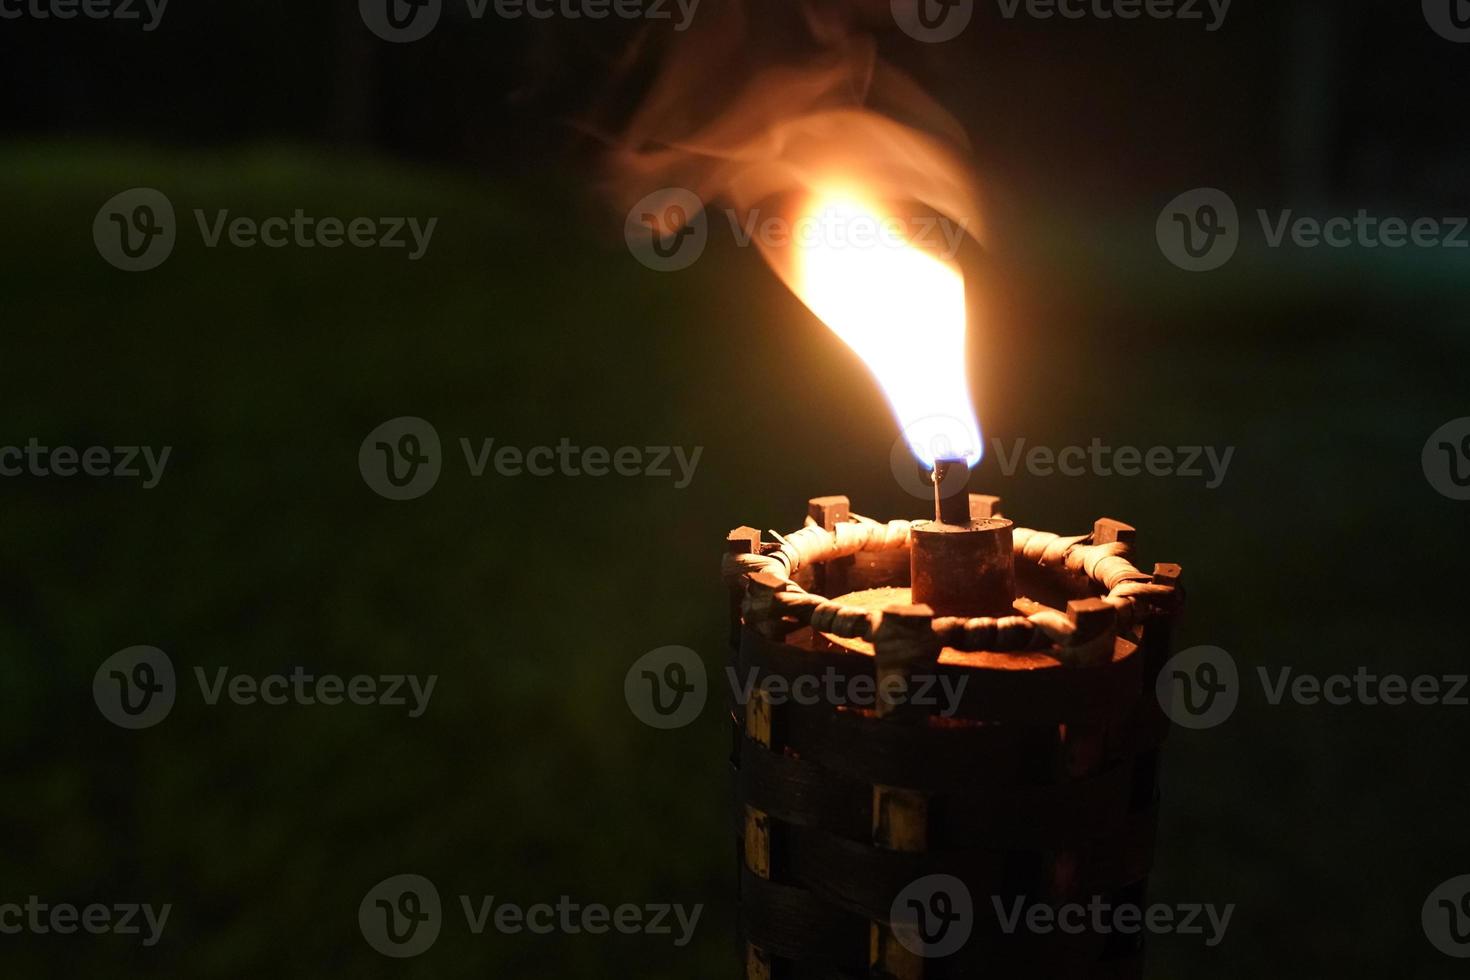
[900, 309]
[801, 118]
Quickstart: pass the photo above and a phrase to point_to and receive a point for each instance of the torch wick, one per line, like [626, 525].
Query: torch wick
[951, 505]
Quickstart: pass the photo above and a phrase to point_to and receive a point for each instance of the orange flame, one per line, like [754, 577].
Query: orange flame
[729, 125]
[902, 310]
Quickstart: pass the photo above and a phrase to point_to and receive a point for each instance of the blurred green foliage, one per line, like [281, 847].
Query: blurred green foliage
[528, 778]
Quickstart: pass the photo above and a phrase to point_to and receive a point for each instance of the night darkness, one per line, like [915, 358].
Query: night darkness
[353, 456]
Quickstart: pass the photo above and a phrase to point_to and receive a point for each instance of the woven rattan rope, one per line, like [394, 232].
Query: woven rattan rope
[1105, 564]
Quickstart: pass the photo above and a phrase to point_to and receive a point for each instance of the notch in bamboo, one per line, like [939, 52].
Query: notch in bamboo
[832, 576]
[904, 640]
[1105, 530]
[984, 506]
[740, 541]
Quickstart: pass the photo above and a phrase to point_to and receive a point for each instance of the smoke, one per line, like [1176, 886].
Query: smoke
[761, 104]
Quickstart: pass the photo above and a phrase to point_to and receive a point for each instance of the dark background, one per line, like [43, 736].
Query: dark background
[528, 320]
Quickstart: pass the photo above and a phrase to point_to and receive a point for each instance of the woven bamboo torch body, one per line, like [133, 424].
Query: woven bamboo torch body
[1033, 781]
